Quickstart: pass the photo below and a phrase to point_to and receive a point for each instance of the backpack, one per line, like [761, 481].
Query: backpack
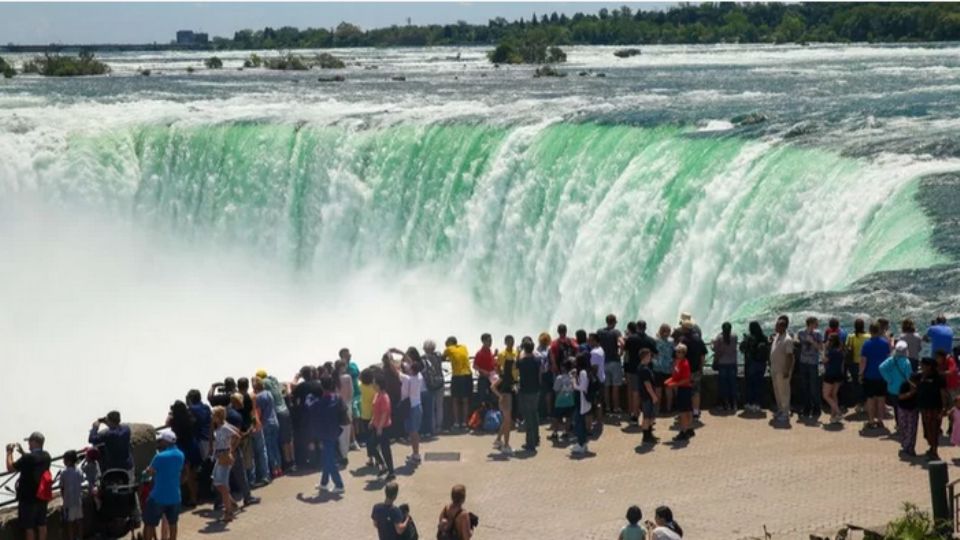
[45, 487]
[476, 419]
[433, 374]
[411, 531]
[449, 532]
[565, 350]
[593, 387]
[492, 420]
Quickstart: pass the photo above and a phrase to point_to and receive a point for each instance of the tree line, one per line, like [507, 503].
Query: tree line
[688, 24]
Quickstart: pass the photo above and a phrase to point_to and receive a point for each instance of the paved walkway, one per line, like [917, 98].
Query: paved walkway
[735, 477]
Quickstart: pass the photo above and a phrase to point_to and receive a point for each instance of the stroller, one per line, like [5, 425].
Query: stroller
[119, 512]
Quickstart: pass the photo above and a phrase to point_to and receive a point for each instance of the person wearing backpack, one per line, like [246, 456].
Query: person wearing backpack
[433, 390]
[455, 522]
[35, 487]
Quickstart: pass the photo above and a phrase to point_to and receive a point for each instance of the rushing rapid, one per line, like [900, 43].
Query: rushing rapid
[167, 230]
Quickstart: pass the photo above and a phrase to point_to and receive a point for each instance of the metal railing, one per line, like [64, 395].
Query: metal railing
[953, 494]
[8, 480]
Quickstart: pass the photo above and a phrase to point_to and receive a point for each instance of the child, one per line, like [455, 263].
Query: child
[648, 396]
[410, 533]
[931, 397]
[907, 416]
[366, 413]
[633, 530]
[563, 404]
[71, 482]
[91, 473]
[955, 417]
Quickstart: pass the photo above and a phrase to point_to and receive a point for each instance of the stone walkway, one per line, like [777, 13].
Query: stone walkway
[735, 477]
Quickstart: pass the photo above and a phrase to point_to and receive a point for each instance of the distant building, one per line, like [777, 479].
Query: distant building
[189, 37]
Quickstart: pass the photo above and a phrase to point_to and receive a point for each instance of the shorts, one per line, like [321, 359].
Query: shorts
[153, 513]
[648, 409]
[874, 388]
[562, 412]
[684, 399]
[414, 419]
[73, 513]
[546, 383]
[633, 382]
[614, 371]
[32, 514]
[659, 379]
[286, 427]
[221, 475]
[834, 379]
[461, 386]
[696, 379]
[204, 448]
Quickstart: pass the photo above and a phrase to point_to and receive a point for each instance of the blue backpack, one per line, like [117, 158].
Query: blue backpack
[492, 420]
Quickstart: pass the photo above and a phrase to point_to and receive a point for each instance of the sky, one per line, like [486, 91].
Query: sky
[149, 22]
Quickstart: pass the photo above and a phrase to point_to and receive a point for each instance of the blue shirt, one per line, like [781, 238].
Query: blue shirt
[202, 414]
[895, 370]
[167, 465]
[941, 338]
[116, 446]
[875, 350]
[234, 418]
[268, 414]
[663, 363]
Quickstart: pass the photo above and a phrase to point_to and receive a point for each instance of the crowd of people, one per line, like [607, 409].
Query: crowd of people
[253, 430]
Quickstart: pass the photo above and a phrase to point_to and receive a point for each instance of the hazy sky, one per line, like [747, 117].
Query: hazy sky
[42, 23]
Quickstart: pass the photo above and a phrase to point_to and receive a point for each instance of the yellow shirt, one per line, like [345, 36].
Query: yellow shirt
[459, 359]
[505, 355]
[855, 343]
[366, 401]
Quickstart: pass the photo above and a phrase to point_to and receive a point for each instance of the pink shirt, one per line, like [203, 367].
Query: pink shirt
[955, 435]
[381, 410]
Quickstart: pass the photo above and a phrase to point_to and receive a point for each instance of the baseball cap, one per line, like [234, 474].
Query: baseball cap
[37, 437]
[167, 435]
[901, 346]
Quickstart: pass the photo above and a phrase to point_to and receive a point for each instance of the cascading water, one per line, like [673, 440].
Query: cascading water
[161, 233]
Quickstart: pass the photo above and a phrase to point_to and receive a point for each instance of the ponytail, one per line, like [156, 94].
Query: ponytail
[675, 527]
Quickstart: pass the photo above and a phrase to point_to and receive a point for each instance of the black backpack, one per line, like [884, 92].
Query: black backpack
[433, 373]
[565, 350]
[593, 387]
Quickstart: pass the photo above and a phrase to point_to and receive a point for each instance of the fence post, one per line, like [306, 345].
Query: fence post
[938, 492]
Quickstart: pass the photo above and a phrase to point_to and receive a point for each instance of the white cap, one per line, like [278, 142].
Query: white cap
[167, 435]
[901, 346]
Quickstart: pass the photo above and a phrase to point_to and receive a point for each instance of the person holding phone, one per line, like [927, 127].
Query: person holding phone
[32, 464]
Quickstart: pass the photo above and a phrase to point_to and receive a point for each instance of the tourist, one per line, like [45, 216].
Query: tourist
[940, 335]
[648, 395]
[931, 399]
[756, 355]
[433, 382]
[681, 381]
[71, 494]
[379, 423]
[304, 384]
[564, 401]
[665, 527]
[267, 411]
[183, 425]
[598, 360]
[548, 370]
[461, 382]
[503, 384]
[484, 363]
[284, 420]
[163, 503]
[908, 335]
[239, 473]
[353, 404]
[529, 394]
[873, 352]
[455, 521]
[253, 445]
[344, 384]
[394, 388]
[833, 328]
[611, 341]
[633, 530]
[907, 416]
[563, 348]
[387, 518]
[202, 420]
[329, 416]
[411, 392]
[696, 354]
[811, 351]
[220, 392]
[885, 332]
[114, 442]
[34, 468]
[663, 367]
[581, 341]
[833, 376]
[896, 371]
[226, 440]
[582, 402]
[631, 363]
[955, 418]
[781, 368]
[367, 394]
[853, 345]
[947, 366]
[725, 358]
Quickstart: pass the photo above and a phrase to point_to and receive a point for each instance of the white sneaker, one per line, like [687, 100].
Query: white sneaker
[354, 446]
[338, 491]
[506, 450]
[414, 458]
[576, 449]
[497, 444]
[321, 487]
[586, 448]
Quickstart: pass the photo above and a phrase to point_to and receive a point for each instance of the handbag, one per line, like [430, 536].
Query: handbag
[564, 399]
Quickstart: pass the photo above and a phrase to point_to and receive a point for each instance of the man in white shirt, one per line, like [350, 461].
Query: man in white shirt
[781, 367]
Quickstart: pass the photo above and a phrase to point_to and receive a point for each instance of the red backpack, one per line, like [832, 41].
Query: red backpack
[45, 487]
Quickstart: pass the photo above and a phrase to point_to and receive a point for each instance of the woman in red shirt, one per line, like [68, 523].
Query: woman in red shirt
[379, 422]
[681, 381]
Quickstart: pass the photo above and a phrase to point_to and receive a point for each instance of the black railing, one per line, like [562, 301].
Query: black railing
[8, 480]
[953, 493]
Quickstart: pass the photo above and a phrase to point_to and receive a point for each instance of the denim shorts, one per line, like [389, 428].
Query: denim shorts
[153, 513]
[414, 419]
[221, 475]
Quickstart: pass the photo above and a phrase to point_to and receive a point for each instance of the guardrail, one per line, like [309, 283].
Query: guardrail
[8, 480]
[953, 494]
